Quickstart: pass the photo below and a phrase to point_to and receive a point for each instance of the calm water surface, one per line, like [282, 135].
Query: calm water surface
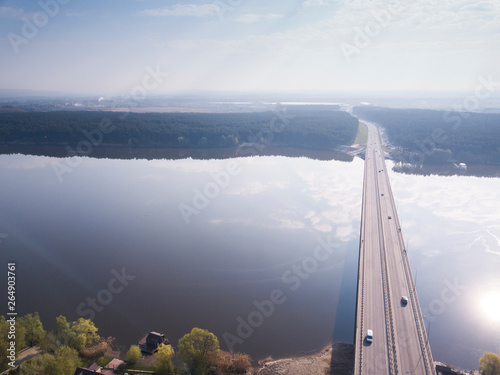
[279, 228]
[259, 234]
[452, 227]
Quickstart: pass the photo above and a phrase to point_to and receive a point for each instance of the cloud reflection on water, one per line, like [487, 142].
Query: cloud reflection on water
[114, 213]
[451, 227]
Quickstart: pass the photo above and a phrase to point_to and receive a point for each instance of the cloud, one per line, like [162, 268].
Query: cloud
[7, 12]
[482, 6]
[313, 3]
[184, 10]
[26, 162]
[419, 16]
[257, 187]
[253, 18]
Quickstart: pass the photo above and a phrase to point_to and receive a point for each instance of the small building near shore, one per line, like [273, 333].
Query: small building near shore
[94, 368]
[150, 343]
[462, 167]
[114, 364]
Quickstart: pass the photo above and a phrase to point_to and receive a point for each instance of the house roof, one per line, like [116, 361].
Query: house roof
[156, 334]
[84, 371]
[94, 367]
[150, 341]
[114, 363]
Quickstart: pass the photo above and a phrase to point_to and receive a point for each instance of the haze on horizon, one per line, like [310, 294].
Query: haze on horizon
[106, 48]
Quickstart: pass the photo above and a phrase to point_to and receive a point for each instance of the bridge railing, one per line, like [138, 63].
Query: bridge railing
[417, 313]
[361, 272]
[390, 329]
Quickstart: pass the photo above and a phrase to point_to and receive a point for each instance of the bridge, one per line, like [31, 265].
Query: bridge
[400, 344]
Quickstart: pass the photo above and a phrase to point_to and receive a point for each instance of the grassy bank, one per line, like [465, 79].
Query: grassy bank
[362, 136]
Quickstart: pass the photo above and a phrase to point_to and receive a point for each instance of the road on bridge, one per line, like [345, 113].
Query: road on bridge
[400, 344]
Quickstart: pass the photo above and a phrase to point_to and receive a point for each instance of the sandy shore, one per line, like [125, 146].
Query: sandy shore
[332, 360]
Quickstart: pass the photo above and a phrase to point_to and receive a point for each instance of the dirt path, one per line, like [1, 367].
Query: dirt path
[23, 356]
[336, 359]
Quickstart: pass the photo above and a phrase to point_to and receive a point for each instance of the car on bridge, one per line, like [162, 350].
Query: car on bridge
[369, 336]
[404, 300]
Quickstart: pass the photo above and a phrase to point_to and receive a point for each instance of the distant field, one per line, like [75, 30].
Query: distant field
[362, 136]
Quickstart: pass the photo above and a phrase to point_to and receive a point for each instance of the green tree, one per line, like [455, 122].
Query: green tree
[203, 141]
[439, 156]
[62, 331]
[34, 329]
[133, 354]
[79, 342]
[198, 350]
[42, 364]
[84, 334]
[66, 361]
[49, 343]
[164, 363]
[489, 364]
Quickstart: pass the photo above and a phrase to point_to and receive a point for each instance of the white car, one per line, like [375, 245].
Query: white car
[369, 336]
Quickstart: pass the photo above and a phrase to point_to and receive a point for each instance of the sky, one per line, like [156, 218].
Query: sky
[118, 46]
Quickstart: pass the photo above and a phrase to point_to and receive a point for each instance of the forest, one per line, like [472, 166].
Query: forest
[299, 127]
[439, 136]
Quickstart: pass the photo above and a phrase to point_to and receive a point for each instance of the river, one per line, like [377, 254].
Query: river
[262, 251]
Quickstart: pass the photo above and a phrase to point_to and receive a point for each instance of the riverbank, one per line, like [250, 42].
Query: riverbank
[448, 169]
[333, 359]
[128, 153]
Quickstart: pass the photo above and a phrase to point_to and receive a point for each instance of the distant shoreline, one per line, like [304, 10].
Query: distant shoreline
[447, 169]
[129, 153]
[145, 153]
